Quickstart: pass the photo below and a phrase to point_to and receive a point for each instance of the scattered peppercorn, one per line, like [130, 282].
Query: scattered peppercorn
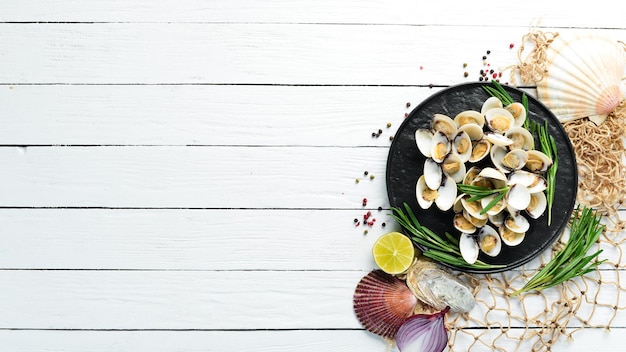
[357, 180]
[465, 74]
[406, 115]
[380, 208]
[356, 220]
[391, 138]
[484, 57]
[364, 201]
[383, 224]
[373, 134]
[380, 131]
[488, 52]
[511, 46]
[365, 232]
[372, 177]
[388, 124]
[464, 64]
[365, 173]
[408, 104]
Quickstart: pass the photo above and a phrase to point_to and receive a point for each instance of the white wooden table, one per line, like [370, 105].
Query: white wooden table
[180, 175]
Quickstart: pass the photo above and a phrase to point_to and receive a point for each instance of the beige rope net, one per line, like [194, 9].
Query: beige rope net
[536, 321]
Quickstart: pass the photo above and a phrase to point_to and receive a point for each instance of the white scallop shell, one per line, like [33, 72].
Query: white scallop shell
[583, 79]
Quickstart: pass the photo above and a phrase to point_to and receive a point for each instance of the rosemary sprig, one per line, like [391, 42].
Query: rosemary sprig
[478, 193]
[445, 250]
[572, 261]
[499, 92]
[549, 148]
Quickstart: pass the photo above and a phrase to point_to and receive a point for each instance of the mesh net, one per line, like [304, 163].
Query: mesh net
[536, 321]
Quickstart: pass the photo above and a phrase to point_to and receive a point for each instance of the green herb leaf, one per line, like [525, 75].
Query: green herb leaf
[443, 249]
[571, 261]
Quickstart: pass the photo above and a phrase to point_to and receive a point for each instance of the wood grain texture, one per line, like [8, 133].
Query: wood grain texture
[599, 14]
[213, 300]
[192, 177]
[183, 239]
[179, 239]
[191, 53]
[180, 175]
[247, 341]
[204, 115]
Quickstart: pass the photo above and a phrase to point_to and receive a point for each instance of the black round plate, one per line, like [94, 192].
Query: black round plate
[405, 165]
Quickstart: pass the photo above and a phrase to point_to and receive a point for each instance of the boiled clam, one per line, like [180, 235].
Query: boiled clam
[489, 241]
[521, 138]
[490, 103]
[462, 146]
[518, 111]
[445, 124]
[499, 120]
[538, 161]
[470, 117]
[440, 146]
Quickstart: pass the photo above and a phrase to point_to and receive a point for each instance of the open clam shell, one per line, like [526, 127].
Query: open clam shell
[538, 162]
[480, 150]
[469, 117]
[425, 196]
[433, 175]
[440, 146]
[489, 241]
[424, 140]
[518, 111]
[499, 120]
[510, 238]
[538, 205]
[445, 124]
[462, 224]
[454, 167]
[462, 146]
[490, 103]
[521, 138]
[382, 303]
[469, 248]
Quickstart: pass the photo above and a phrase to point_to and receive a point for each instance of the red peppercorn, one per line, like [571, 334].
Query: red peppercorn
[364, 201]
[511, 46]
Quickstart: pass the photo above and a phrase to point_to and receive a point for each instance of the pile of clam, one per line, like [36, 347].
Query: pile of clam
[489, 149]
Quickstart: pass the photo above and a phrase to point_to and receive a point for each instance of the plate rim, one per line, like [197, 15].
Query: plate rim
[570, 150]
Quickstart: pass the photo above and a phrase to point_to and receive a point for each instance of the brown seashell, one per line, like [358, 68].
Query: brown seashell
[382, 303]
[439, 287]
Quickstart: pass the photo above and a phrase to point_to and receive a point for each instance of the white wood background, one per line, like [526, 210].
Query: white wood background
[179, 175]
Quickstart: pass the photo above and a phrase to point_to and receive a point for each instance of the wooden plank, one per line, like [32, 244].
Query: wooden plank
[204, 115]
[179, 239]
[192, 53]
[276, 341]
[197, 177]
[455, 12]
[217, 300]
[175, 239]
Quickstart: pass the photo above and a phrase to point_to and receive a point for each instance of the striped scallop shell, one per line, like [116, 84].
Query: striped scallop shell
[583, 78]
[382, 303]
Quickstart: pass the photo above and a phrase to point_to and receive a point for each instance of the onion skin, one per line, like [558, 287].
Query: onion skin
[423, 333]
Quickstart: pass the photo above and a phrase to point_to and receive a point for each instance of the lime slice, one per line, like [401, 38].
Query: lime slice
[393, 252]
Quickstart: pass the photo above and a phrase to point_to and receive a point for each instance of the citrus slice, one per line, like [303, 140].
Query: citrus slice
[393, 252]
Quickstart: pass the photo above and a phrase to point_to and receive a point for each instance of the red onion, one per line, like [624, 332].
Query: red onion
[423, 333]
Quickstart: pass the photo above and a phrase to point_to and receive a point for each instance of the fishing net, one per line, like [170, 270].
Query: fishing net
[536, 321]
